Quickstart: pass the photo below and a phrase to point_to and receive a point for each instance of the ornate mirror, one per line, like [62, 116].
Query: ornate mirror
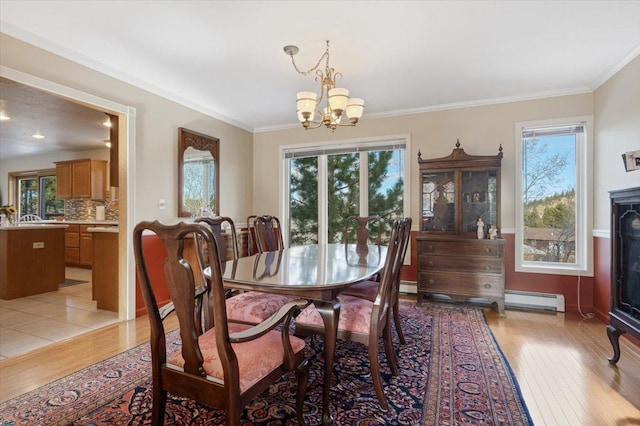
[198, 174]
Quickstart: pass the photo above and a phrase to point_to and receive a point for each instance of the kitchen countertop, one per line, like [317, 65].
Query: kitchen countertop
[33, 225]
[110, 229]
[82, 222]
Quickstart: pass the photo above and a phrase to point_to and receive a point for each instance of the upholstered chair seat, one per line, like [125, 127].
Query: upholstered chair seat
[253, 307]
[365, 290]
[256, 358]
[355, 316]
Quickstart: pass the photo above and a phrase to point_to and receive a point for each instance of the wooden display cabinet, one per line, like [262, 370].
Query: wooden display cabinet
[624, 315]
[454, 192]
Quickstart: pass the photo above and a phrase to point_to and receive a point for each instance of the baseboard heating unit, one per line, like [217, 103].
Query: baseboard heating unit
[530, 300]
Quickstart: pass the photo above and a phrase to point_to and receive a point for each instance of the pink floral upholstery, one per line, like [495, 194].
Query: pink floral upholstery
[253, 307]
[367, 290]
[355, 315]
[256, 358]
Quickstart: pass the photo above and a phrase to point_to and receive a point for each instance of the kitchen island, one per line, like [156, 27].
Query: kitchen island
[31, 259]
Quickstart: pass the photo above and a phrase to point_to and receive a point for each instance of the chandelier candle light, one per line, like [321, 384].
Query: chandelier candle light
[338, 101]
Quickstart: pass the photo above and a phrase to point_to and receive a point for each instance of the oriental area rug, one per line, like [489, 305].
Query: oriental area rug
[452, 372]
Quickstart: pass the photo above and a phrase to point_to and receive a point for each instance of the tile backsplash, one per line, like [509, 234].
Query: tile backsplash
[86, 209]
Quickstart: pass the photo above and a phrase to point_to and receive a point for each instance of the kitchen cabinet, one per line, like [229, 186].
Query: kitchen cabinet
[78, 249]
[455, 191]
[81, 179]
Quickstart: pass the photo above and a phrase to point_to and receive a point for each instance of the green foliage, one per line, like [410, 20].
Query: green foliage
[304, 201]
[343, 194]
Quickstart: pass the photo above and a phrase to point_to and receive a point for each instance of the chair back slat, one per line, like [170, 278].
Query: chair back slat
[396, 250]
[268, 234]
[216, 225]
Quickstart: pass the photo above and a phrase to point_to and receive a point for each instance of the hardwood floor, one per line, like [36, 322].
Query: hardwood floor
[560, 361]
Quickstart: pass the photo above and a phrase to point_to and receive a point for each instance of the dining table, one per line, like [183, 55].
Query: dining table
[318, 273]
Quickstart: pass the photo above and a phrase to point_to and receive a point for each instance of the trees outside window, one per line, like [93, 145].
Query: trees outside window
[325, 186]
[553, 196]
[37, 195]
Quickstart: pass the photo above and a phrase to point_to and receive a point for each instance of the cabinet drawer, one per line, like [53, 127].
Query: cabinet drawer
[84, 229]
[479, 264]
[72, 255]
[471, 285]
[460, 248]
[70, 229]
[71, 240]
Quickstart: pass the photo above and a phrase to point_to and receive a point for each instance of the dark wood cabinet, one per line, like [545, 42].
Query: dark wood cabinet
[624, 316]
[456, 191]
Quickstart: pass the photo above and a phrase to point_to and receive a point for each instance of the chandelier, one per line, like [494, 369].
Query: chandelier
[338, 103]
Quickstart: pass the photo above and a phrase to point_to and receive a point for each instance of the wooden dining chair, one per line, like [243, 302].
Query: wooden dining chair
[268, 233]
[249, 307]
[30, 218]
[364, 321]
[227, 365]
[369, 289]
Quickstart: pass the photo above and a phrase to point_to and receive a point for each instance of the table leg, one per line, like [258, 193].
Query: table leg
[330, 313]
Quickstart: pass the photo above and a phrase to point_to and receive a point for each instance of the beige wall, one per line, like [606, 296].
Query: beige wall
[156, 129]
[617, 129]
[480, 129]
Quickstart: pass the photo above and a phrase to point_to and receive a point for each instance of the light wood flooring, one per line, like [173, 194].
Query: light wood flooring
[560, 361]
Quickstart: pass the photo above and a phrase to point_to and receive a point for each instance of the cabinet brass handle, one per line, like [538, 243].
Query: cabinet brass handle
[487, 267]
[487, 286]
[430, 263]
[487, 249]
[432, 281]
[430, 247]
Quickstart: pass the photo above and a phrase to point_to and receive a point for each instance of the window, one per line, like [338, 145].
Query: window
[553, 194]
[326, 184]
[36, 193]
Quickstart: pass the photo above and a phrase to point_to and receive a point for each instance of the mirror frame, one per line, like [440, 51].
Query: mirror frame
[188, 138]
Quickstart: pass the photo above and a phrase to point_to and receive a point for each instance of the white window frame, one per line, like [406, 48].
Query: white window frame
[322, 168]
[584, 202]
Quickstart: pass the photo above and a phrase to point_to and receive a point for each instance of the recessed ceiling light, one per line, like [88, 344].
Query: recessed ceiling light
[37, 136]
[4, 117]
[107, 122]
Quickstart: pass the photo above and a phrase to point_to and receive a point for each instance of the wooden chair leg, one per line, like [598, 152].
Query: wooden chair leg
[233, 415]
[396, 320]
[390, 350]
[377, 379]
[159, 401]
[302, 376]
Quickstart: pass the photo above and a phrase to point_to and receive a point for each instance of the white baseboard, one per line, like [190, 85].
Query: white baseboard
[512, 298]
[531, 300]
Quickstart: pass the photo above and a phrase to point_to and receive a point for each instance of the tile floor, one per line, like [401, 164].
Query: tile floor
[31, 322]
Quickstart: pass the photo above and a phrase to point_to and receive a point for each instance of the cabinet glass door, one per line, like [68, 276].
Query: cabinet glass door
[479, 199]
[438, 198]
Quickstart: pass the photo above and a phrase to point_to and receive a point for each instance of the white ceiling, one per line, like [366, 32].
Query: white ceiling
[225, 58]
[66, 125]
